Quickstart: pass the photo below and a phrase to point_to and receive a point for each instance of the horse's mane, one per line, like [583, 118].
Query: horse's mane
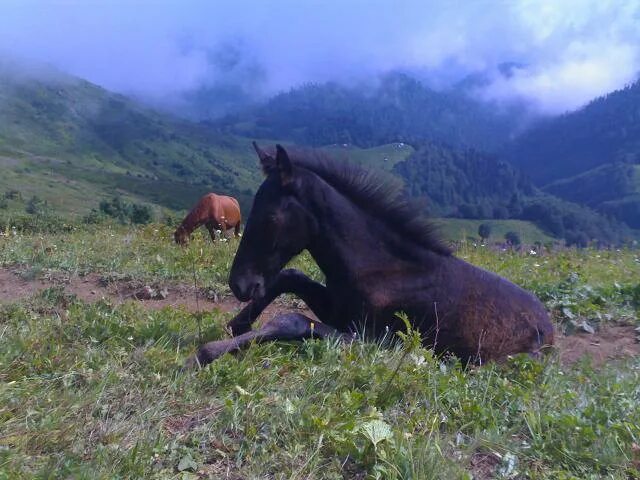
[376, 191]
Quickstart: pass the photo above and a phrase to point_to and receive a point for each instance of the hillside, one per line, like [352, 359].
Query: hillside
[606, 131]
[72, 143]
[613, 189]
[398, 109]
[473, 185]
[590, 156]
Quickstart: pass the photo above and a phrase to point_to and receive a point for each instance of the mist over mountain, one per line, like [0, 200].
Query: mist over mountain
[398, 108]
[561, 54]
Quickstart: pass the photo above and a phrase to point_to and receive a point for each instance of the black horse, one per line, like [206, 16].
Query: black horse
[378, 256]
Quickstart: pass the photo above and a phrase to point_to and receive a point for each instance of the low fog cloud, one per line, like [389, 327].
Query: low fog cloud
[563, 53]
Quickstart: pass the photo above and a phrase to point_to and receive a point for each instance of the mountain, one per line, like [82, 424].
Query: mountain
[398, 109]
[590, 156]
[613, 189]
[475, 185]
[73, 143]
[606, 131]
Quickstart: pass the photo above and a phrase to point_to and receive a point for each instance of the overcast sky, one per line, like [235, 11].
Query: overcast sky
[566, 51]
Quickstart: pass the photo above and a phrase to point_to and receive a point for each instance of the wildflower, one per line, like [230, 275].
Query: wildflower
[532, 252]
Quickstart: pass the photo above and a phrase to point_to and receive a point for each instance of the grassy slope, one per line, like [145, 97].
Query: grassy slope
[92, 391]
[459, 229]
[383, 157]
[611, 188]
[73, 143]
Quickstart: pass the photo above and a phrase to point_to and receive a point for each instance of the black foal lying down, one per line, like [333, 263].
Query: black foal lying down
[379, 257]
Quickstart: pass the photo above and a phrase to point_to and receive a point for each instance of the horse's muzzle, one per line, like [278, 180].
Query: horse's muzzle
[247, 287]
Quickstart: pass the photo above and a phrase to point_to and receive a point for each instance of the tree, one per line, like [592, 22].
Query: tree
[140, 214]
[35, 205]
[484, 230]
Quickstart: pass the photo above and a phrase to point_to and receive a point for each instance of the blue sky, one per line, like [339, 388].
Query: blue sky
[565, 52]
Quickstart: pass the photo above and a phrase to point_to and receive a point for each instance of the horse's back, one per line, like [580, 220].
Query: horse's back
[231, 208]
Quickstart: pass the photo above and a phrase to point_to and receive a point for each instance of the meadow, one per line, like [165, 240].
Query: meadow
[95, 389]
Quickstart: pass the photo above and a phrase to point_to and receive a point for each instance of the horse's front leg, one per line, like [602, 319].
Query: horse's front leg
[314, 294]
[212, 227]
[289, 326]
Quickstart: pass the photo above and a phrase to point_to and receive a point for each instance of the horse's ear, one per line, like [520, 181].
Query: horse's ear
[267, 161]
[285, 170]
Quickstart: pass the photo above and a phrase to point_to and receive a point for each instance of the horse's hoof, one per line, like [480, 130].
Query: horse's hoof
[208, 353]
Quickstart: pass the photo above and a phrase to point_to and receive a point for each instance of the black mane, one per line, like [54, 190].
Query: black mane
[376, 191]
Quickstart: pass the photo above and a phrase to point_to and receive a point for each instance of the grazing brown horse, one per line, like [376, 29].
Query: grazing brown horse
[379, 257]
[216, 212]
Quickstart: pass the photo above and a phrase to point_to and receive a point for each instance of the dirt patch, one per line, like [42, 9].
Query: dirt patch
[484, 465]
[13, 287]
[182, 424]
[93, 287]
[608, 343]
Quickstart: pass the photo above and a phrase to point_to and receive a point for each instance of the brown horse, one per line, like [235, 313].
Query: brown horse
[378, 258]
[216, 212]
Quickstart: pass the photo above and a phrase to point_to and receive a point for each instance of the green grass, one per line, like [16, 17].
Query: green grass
[95, 390]
[383, 157]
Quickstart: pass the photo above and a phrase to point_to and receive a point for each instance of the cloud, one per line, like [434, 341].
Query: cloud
[567, 51]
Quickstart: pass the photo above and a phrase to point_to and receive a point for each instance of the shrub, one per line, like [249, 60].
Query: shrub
[35, 206]
[512, 238]
[125, 212]
[484, 230]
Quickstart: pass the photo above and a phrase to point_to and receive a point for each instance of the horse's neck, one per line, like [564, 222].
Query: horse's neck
[351, 241]
[194, 218]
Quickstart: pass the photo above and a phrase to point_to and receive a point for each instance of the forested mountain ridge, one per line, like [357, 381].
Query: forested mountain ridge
[606, 131]
[398, 109]
[471, 184]
[590, 156]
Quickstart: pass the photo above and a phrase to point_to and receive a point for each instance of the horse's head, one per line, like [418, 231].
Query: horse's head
[278, 228]
[181, 236]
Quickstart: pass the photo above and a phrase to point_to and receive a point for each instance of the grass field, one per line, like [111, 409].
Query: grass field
[93, 389]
